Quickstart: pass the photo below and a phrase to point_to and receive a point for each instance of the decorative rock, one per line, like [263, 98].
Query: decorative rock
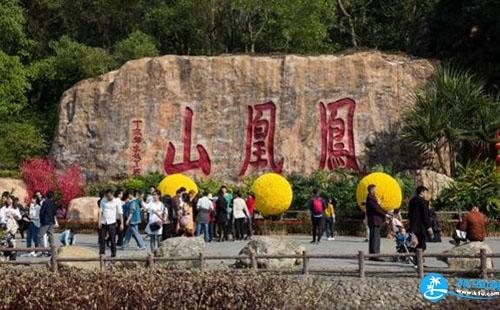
[80, 252]
[181, 247]
[123, 122]
[434, 181]
[16, 187]
[83, 209]
[470, 248]
[262, 245]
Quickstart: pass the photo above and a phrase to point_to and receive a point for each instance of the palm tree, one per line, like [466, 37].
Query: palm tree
[453, 118]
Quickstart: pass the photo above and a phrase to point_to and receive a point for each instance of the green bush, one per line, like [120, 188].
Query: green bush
[18, 142]
[476, 182]
[136, 45]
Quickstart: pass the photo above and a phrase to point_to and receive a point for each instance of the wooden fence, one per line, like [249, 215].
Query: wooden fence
[361, 257]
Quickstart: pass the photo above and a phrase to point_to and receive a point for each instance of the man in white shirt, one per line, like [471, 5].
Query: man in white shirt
[240, 213]
[203, 206]
[109, 211]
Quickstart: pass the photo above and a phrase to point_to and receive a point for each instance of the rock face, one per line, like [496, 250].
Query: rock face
[270, 246]
[470, 248]
[80, 252]
[232, 116]
[434, 181]
[16, 186]
[181, 247]
[83, 209]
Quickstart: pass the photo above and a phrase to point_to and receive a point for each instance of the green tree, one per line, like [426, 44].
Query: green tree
[136, 45]
[453, 117]
[13, 84]
[19, 141]
[13, 39]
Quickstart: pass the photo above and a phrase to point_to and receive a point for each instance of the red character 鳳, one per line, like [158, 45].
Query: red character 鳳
[337, 135]
[259, 151]
[187, 164]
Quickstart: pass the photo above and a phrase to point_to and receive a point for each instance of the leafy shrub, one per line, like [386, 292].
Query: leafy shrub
[39, 174]
[476, 182]
[136, 45]
[19, 141]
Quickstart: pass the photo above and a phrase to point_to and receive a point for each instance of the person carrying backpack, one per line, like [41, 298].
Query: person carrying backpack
[317, 207]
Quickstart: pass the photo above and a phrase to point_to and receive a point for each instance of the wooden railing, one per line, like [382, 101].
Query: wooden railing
[305, 257]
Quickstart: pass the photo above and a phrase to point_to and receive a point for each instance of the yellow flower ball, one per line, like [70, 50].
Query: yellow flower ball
[170, 184]
[388, 193]
[273, 194]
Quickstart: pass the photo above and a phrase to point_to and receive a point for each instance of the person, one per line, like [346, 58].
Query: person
[221, 216]
[229, 206]
[317, 207]
[186, 222]
[376, 217]
[473, 224]
[436, 227]
[24, 221]
[67, 237]
[211, 218]
[329, 215]
[48, 219]
[240, 213]
[169, 223]
[34, 225]
[109, 211]
[251, 209]
[177, 203]
[419, 222]
[132, 220]
[203, 207]
[9, 215]
[120, 225]
[157, 216]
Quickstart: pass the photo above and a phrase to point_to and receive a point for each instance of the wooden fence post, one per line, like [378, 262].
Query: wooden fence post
[151, 260]
[253, 261]
[101, 262]
[202, 260]
[420, 263]
[361, 264]
[305, 263]
[484, 270]
[53, 257]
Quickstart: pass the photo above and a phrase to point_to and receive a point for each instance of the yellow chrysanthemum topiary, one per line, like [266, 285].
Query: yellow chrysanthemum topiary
[170, 184]
[388, 193]
[273, 194]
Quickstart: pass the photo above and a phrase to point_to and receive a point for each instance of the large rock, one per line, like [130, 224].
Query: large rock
[80, 252]
[470, 248]
[434, 181]
[83, 209]
[262, 245]
[181, 247]
[122, 122]
[16, 187]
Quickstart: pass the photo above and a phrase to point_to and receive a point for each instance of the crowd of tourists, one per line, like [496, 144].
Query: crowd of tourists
[221, 217]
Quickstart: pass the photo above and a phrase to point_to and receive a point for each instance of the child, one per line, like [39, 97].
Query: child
[67, 237]
[329, 214]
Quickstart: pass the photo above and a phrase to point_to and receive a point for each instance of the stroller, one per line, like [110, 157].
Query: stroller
[404, 244]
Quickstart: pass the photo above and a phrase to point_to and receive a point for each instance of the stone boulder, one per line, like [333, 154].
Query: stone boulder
[181, 247]
[83, 209]
[263, 245]
[80, 252]
[434, 181]
[137, 118]
[470, 248]
[16, 187]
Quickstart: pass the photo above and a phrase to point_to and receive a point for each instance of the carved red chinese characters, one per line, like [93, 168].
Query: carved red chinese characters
[203, 162]
[337, 134]
[259, 150]
[136, 146]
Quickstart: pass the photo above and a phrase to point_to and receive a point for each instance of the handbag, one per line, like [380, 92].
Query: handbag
[155, 226]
